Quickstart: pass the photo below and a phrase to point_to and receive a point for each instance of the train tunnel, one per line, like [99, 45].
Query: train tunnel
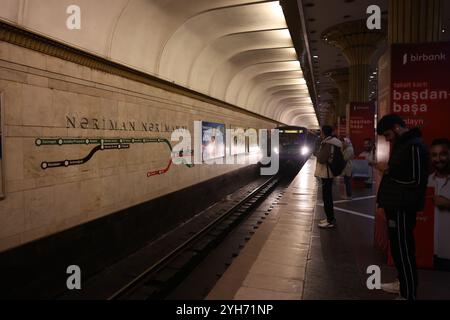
[168, 149]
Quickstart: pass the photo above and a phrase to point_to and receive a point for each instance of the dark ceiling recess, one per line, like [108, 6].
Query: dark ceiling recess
[311, 19]
[347, 16]
[349, 1]
[309, 5]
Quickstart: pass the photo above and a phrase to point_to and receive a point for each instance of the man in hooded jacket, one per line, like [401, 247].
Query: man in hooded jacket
[329, 142]
[402, 194]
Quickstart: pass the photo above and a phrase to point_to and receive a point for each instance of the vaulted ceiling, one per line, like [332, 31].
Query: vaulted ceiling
[238, 51]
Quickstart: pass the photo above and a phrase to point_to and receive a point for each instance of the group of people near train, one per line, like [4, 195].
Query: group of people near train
[401, 193]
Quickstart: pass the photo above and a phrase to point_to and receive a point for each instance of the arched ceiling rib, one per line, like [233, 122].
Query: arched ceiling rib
[226, 50]
[239, 51]
[254, 96]
[306, 120]
[242, 79]
[194, 34]
[276, 97]
[290, 113]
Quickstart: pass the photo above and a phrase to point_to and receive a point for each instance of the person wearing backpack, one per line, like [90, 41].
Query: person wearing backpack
[329, 162]
[349, 154]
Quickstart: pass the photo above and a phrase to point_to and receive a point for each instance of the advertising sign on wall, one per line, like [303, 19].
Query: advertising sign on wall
[342, 127]
[213, 140]
[237, 141]
[420, 87]
[2, 188]
[361, 124]
[420, 94]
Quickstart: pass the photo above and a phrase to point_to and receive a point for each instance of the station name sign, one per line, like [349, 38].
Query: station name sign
[73, 122]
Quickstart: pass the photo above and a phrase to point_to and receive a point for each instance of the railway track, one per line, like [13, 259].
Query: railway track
[157, 281]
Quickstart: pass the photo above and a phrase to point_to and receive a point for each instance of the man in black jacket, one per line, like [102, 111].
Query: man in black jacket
[402, 194]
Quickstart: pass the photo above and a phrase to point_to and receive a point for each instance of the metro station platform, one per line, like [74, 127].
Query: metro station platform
[133, 143]
[290, 258]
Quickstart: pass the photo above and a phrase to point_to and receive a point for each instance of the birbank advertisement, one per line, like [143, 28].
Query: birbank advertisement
[361, 126]
[420, 87]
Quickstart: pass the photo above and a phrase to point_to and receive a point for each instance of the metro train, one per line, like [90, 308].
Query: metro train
[296, 144]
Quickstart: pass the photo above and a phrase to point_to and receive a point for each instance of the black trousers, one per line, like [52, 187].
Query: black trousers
[348, 185]
[401, 224]
[327, 196]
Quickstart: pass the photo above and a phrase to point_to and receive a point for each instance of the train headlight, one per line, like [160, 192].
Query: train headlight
[276, 150]
[304, 151]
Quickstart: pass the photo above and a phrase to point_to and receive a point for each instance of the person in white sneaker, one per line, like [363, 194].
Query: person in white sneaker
[391, 287]
[348, 153]
[402, 194]
[326, 176]
[369, 155]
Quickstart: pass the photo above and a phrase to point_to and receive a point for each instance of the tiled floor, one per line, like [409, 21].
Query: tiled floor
[339, 258]
[289, 258]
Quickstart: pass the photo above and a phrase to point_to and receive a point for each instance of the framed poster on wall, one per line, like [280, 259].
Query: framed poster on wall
[237, 140]
[361, 124]
[2, 144]
[251, 141]
[213, 140]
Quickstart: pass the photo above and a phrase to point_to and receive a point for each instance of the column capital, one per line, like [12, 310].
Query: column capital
[356, 41]
[339, 76]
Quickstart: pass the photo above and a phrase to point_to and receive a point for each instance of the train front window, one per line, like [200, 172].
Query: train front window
[290, 139]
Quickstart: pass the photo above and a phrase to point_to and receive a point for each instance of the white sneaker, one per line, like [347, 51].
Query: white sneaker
[326, 225]
[323, 220]
[391, 287]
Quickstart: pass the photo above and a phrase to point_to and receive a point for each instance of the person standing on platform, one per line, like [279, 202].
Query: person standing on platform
[369, 155]
[402, 194]
[348, 153]
[440, 181]
[329, 142]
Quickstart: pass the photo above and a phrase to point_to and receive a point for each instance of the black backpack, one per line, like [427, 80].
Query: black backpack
[336, 163]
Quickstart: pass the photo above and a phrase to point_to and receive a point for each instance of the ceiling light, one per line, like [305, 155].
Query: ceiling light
[276, 9]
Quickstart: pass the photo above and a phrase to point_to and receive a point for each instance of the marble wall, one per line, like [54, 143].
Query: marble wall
[46, 99]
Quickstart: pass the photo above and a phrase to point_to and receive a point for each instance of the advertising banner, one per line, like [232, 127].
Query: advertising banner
[420, 87]
[361, 124]
[237, 141]
[342, 127]
[420, 94]
[213, 140]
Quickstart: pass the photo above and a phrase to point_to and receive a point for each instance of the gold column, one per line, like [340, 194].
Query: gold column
[415, 21]
[333, 104]
[358, 45]
[341, 79]
[329, 111]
